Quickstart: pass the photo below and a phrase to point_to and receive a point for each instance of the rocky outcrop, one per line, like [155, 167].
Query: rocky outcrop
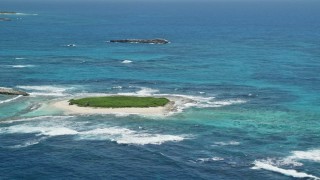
[9, 91]
[7, 12]
[148, 41]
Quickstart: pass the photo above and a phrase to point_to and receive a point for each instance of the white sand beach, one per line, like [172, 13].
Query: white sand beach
[150, 111]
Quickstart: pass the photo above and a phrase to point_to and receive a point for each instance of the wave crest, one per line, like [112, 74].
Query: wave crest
[116, 134]
[126, 61]
[311, 155]
[47, 90]
[22, 66]
[288, 172]
[229, 143]
[127, 136]
[202, 160]
[28, 143]
[10, 100]
[274, 165]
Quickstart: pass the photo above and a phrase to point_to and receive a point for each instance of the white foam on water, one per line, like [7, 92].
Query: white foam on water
[229, 143]
[288, 172]
[48, 127]
[58, 131]
[202, 102]
[21, 66]
[293, 160]
[35, 106]
[287, 162]
[46, 90]
[227, 102]
[42, 128]
[311, 155]
[39, 130]
[38, 118]
[183, 102]
[24, 14]
[187, 101]
[282, 162]
[144, 91]
[5, 88]
[10, 100]
[127, 136]
[86, 94]
[147, 91]
[126, 61]
[117, 87]
[109, 131]
[122, 114]
[29, 143]
[19, 58]
[43, 88]
[143, 139]
[71, 45]
[202, 160]
[273, 164]
[217, 159]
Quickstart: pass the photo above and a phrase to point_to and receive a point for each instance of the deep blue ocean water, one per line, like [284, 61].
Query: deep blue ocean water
[251, 67]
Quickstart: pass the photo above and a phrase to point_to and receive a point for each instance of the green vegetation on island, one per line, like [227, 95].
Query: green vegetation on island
[119, 102]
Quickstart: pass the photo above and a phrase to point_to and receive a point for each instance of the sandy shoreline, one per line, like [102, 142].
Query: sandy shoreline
[74, 109]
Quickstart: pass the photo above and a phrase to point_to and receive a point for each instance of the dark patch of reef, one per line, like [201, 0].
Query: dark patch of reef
[9, 91]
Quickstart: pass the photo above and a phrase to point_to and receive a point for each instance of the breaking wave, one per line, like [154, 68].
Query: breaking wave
[10, 100]
[117, 87]
[142, 92]
[288, 172]
[273, 164]
[22, 66]
[202, 160]
[39, 130]
[127, 136]
[187, 101]
[311, 155]
[51, 118]
[62, 128]
[126, 62]
[229, 143]
[24, 14]
[29, 143]
[47, 90]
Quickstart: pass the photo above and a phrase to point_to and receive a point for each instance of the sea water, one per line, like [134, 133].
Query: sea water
[252, 69]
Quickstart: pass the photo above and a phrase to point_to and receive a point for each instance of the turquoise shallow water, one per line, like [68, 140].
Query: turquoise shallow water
[251, 68]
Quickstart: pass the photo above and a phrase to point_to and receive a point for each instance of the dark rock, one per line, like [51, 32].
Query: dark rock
[9, 91]
[149, 41]
[7, 12]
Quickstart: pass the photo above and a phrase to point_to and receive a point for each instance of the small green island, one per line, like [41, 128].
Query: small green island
[119, 102]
